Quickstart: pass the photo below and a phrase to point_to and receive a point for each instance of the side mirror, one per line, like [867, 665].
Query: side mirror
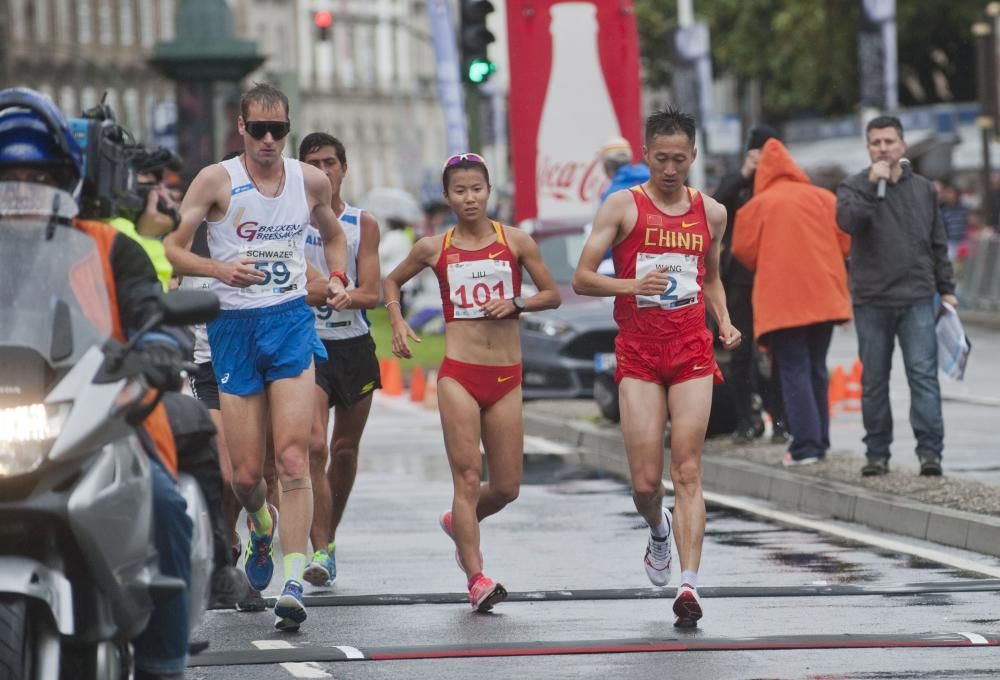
[187, 307]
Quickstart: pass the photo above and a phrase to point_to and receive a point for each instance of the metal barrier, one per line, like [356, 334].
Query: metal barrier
[979, 278]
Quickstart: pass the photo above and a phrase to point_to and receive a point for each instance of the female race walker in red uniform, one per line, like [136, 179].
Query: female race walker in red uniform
[478, 264]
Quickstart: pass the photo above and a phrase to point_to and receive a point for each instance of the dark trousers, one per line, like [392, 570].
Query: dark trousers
[742, 375]
[915, 326]
[801, 356]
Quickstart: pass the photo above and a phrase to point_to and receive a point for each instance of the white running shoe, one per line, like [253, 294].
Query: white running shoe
[687, 607]
[659, 555]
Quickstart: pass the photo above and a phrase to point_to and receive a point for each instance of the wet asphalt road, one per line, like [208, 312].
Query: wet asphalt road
[572, 531]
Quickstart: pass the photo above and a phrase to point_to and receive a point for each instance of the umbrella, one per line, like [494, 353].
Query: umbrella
[387, 203]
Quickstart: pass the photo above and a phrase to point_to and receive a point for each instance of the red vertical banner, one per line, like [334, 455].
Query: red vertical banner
[574, 73]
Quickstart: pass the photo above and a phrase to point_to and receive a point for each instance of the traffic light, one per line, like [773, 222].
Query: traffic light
[474, 39]
[323, 21]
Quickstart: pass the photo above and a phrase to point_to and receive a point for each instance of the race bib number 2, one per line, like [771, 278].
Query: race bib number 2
[682, 285]
[283, 268]
[475, 283]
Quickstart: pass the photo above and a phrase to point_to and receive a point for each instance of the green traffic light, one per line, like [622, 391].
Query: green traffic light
[480, 70]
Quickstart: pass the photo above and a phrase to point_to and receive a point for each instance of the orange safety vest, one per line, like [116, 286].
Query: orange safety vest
[156, 424]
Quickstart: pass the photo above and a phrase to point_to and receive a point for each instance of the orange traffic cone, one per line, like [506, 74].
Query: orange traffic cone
[854, 381]
[392, 377]
[418, 385]
[837, 390]
[431, 395]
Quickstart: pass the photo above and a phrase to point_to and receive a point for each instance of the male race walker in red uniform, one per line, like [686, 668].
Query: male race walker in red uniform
[665, 240]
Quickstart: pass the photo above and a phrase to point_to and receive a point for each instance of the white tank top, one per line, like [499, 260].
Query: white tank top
[270, 230]
[349, 323]
[202, 352]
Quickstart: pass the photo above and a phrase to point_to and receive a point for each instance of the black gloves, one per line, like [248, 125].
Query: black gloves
[162, 364]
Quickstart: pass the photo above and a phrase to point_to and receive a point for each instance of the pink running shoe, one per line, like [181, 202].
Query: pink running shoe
[687, 607]
[445, 522]
[484, 593]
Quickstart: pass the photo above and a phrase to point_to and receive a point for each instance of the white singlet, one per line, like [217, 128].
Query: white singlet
[349, 323]
[270, 230]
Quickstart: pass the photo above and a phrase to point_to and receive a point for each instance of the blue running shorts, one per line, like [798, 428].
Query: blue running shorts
[254, 347]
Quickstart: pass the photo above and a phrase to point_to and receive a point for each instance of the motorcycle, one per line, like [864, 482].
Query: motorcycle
[78, 571]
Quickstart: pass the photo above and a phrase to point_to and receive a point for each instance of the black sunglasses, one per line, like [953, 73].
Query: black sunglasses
[258, 129]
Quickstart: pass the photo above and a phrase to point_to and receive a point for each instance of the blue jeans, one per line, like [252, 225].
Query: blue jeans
[163, 646]
[915, 326]
[801, 356]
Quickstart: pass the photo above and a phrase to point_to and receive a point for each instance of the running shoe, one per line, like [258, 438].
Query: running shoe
[687, 607]
[791, 461]
[252, 602]
[484, 593]
[289, 611]
[322, 571]
[659, 555]
[445, 522]
[259, 561]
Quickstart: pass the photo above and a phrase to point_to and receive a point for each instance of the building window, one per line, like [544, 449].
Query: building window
[63, 31]
[40, 10]
[105, 23]
[84, 27]
[126, 22]
[17, 12]
[88, 98]
[67, 101]
[131, 116]
[166, 20]
[147, 24]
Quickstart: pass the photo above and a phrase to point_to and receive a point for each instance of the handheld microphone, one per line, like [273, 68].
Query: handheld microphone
[880, 191]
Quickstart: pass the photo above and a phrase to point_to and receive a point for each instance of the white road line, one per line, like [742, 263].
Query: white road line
[849, 534]
[306, 669]
[351, 652]
[533, 444]
[975, 638]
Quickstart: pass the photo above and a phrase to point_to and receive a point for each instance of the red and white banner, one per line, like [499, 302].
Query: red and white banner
[574, 73]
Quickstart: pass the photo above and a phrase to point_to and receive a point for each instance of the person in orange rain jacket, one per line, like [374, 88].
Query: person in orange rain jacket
[787, 233]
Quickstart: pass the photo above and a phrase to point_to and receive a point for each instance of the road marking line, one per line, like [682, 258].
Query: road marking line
[849, 534]
[975, 638]
[298, 669]
[533, 444]
[355, 653]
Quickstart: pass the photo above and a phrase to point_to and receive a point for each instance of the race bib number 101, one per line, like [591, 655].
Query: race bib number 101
[682, 285]
[475, 283]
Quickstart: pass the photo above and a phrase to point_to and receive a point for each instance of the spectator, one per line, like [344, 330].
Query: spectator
[899, 262]
[616, 157]
[743, 377]
[954, 214]
[787, 235]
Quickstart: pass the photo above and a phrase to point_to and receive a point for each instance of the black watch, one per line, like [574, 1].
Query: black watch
[518, 304]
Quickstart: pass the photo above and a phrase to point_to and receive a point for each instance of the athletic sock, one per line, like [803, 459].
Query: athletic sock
[690, 578]
[661, 530]
[295, 564]
[261, 520]
[330, 547]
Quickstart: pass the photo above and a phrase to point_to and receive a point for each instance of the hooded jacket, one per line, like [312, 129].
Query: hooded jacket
[787, 233]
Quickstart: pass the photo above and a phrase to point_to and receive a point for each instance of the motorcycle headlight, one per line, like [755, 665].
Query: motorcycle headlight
[27, 434]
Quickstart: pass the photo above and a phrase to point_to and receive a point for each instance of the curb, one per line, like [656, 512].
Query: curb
[602, 448]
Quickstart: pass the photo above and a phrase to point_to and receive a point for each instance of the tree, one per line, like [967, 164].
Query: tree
[804, 52]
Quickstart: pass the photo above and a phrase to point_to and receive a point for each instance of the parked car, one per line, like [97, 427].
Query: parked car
[569, 352]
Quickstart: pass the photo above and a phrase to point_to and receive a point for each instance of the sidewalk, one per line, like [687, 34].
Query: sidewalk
[951, 510]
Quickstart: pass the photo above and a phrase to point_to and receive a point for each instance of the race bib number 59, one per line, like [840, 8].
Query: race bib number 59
[475, 283]
[682, 284]
[283, 268]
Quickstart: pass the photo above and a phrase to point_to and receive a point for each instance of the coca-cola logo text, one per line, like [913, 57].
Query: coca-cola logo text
[568, 180]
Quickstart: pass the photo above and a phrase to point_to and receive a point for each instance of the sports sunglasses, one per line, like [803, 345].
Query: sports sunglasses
[459, 157]
[258, 129]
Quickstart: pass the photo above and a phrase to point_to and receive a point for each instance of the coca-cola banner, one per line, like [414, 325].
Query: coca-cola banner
[574, 84]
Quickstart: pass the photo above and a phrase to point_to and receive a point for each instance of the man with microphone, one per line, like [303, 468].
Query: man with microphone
[899, 265]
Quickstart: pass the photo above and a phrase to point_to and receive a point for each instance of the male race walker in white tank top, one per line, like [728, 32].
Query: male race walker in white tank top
[258, 207]
[349, 377]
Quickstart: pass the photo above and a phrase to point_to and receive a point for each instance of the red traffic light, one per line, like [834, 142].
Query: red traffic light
[323, 19]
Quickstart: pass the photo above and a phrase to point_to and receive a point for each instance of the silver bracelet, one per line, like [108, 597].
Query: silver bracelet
[391, 302]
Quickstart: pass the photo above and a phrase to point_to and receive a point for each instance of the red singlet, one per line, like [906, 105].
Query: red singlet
[471, 278]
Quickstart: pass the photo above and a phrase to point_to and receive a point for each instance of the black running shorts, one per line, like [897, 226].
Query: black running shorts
[350, 372]
[204, 386]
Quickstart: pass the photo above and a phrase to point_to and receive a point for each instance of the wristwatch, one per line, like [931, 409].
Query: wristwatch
[518, 304]
[340, 275]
